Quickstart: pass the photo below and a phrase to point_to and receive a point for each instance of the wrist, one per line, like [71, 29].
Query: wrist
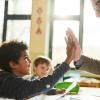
[68, 61]
[78, 63]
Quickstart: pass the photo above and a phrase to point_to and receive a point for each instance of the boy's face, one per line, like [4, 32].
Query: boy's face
[22, 67]
[41, 70]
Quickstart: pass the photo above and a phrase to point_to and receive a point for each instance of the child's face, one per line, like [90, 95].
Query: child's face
[22, 67]
[41, 70]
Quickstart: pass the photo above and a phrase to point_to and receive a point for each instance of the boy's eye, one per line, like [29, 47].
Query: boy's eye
[25, 57]
[44, 68]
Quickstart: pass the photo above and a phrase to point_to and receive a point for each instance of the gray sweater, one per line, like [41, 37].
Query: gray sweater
[90, 65]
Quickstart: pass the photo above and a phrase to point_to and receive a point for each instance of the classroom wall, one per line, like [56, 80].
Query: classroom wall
[38, 27]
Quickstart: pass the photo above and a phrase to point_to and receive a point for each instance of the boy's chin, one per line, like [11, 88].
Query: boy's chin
[28, 73]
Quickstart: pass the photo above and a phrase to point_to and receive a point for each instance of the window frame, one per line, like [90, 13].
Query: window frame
[11, 17]
[72, 17]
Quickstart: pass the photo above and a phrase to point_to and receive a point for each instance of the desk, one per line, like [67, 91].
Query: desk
[85, 93]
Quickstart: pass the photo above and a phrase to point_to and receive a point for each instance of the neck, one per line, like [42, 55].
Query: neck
[18, 74]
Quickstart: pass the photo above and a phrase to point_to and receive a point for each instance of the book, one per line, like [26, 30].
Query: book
[66, 85]
[88, 74]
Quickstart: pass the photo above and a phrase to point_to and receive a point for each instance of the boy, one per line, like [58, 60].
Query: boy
[42, 67]
[15, 63]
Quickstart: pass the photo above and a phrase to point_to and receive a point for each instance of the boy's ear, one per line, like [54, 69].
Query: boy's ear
[12, 64]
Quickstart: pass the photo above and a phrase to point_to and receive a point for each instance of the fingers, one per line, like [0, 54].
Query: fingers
[71, 33]
[70, 50]
[70, 41]
[77, 47]
[73, 44]
[66, 40]
[73, 37]
[69, 36]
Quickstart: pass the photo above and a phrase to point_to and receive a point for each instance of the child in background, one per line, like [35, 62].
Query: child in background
[42, 67]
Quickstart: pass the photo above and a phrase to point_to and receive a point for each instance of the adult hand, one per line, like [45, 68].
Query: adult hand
[70, 49]
[77, 48]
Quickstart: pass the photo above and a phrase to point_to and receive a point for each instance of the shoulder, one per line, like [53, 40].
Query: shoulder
[4, 74]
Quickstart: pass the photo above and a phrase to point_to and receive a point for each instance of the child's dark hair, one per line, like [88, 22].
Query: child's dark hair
[10, 51]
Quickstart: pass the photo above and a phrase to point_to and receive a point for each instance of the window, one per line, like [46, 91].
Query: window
[18, 30]
[2, 3]
[17, 20]
[91, 31]
[19, 7]
[66, 14]
[80, 16]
